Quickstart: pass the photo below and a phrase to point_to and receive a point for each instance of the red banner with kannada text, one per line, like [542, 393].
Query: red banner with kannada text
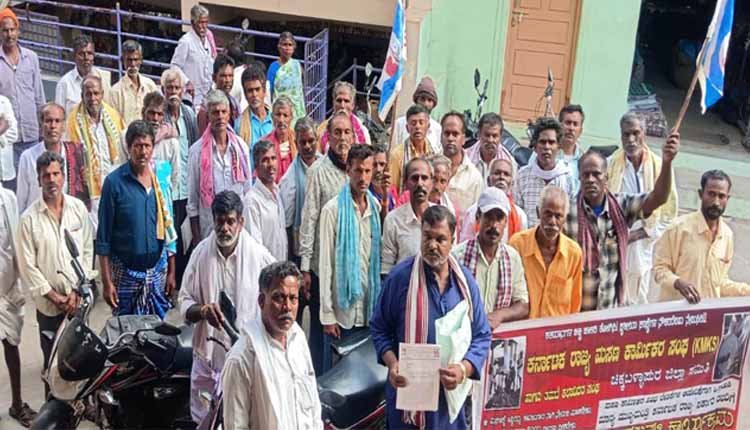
[666, 366]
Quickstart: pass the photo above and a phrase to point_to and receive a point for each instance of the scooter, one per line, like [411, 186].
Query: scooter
[135, 374]
[520, 153]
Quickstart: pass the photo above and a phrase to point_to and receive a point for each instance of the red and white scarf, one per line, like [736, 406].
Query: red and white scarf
[240, 166]
[417, 316]
[504, 283]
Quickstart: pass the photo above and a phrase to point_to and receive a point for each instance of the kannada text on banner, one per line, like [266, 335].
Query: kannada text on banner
[666, 366]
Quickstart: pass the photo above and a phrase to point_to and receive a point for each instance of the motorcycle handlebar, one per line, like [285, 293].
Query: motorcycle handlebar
[231, 332]
[83, 288]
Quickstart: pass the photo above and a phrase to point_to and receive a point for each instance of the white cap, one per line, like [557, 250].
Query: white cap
[493, 198]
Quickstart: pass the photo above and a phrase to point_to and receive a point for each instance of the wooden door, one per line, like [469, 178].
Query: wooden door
[542, 35]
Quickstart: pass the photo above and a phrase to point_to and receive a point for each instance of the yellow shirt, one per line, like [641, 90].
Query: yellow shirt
[555, 290]
[127, 99]
[397, 163]
[686, 252]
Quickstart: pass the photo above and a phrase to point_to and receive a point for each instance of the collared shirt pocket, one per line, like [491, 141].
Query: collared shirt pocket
[559, 291]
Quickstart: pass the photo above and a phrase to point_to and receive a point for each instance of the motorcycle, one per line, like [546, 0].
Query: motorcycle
[135, 374]
[520, 153]
[352, 393]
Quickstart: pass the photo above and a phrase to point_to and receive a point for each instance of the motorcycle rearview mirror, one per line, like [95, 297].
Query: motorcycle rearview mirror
[477, 79]
[167, 329]
[368, 69]
[227, 308]
[71, 245]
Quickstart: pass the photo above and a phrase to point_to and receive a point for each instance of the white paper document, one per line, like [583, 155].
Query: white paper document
[420, 365]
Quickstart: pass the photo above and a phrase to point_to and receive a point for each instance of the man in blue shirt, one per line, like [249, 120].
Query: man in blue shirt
[441, 286]
[136, 232]
[255, 121]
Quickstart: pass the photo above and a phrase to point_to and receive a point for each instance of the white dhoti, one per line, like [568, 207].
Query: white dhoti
[203, 380]
[11, 315]
[639, 262]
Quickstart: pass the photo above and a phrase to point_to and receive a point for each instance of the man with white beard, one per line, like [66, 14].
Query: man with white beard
[228, 260]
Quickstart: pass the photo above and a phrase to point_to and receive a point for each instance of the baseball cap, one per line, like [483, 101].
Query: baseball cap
[493, 198]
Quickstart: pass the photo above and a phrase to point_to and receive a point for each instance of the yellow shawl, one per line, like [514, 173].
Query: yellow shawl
[651, 169]
[78, 131]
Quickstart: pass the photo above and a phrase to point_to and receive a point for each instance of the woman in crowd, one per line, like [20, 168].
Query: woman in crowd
[285, 75]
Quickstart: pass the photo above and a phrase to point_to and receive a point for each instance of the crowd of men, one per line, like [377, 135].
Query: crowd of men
[178, 190]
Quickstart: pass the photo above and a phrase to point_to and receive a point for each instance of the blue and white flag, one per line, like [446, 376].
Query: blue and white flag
[395, 62]
[714, 54]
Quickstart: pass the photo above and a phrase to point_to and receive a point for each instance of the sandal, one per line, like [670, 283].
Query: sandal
[25, 415]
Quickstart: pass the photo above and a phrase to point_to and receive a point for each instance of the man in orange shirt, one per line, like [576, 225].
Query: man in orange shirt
[552, 261]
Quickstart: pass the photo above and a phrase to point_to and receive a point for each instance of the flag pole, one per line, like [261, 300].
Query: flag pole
[686, 102]
[693, 83]
[393, 127]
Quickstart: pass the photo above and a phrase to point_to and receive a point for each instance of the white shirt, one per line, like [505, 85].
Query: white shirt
[268, 386]
[28, 189]
[207, 274]
[101, 147]
[433, 134]
[222, 175]
[43, 258]
[639, 253]
[469, 222]
[193, 59]
[465, 186]
[8, 271]
[68, 90]
[330, 313]
[169, 150]
[402, 236]
[265, 219]
[7, 169]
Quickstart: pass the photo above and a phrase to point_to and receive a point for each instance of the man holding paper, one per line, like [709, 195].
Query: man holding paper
[425, 300]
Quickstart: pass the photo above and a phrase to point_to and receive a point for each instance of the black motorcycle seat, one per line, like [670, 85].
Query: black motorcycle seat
[354, 387]
[183, 356]
[116, 326]
[347, 344]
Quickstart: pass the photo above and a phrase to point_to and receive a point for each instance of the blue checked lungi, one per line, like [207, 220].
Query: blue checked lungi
[138, 292]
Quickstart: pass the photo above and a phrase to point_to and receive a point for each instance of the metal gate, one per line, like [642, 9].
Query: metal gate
[316, 75]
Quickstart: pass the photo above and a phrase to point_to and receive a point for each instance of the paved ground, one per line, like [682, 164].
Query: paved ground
[696, 157]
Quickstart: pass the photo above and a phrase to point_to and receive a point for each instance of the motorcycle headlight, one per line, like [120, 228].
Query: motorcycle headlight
[60, 388]
[166, 392]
